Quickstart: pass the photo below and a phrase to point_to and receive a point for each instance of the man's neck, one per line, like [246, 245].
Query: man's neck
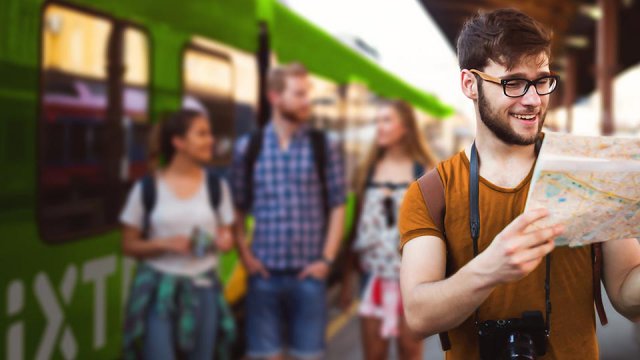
[498, 151]
[496, 157]
[284, 128]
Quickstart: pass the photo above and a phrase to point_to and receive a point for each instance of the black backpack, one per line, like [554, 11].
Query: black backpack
[319, 145]
[149, 196]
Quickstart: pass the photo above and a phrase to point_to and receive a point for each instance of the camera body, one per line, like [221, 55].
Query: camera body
[516, 338]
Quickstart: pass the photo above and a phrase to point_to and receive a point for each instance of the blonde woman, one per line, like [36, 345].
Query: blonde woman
[398, 157]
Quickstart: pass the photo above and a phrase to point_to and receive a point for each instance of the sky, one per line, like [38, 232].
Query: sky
[409, 42]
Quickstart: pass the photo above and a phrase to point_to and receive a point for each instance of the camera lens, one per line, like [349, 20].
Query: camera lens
[520, 346]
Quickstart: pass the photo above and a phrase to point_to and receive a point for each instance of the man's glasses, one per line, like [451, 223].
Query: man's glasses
[515, 87]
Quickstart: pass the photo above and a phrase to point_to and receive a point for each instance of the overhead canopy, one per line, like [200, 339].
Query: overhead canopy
[572, 21]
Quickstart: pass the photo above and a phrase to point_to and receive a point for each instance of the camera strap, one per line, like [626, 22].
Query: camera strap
[474, 223]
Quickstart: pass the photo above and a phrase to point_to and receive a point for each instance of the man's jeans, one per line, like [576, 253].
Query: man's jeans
[285, 312]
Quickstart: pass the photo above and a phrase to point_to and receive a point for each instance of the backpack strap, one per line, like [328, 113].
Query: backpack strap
[215, 190]
[319, 144]
[149, 196]
[432, 190]
[148, 183]
[253, 151]
[418, 170]
[596, 257]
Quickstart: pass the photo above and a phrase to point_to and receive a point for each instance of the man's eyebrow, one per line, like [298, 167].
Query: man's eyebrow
[523, 75]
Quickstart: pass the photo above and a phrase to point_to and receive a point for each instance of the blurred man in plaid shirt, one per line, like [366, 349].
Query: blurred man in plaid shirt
[291, 179]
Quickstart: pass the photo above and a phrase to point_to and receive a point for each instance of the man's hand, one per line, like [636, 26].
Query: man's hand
[318, 270]
[516, 252]
[253, 265]
[177, 245]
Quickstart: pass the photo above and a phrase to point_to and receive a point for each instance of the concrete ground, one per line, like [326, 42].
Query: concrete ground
[620, 340]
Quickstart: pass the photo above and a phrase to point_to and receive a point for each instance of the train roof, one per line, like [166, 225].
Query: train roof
[295, 38]
[236, 22]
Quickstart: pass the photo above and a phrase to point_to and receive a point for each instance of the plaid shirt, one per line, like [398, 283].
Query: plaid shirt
[287, 203]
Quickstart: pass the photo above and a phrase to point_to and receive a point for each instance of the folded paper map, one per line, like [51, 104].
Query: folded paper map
[591, 185]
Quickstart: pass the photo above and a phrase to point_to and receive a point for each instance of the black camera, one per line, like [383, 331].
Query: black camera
[517, 338]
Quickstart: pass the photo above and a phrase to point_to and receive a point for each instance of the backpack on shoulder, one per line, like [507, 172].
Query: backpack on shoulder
[149, 196]
[319, 147]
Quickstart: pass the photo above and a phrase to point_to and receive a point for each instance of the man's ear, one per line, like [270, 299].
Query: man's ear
[469, 84]
[273, 96]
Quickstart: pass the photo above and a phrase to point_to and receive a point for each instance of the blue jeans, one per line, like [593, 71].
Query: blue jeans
[283, 311]
[158, 342]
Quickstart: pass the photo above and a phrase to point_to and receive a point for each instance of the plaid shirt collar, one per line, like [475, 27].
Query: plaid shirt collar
[301, 131]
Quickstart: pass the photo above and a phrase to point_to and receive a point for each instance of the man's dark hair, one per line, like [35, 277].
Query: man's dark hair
[506, 36]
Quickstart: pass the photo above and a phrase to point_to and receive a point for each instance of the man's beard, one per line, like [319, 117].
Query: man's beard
[292, 116]
[501, 129]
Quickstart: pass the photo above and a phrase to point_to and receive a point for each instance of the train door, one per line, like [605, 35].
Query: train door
[93, 124]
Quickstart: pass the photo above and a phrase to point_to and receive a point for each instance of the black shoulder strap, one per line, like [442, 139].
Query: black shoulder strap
[319, 144]
[148, 183]
[214, 187]
[596, 257]
[474, 198]
[596, 266]
[418, 170]
[253, 151]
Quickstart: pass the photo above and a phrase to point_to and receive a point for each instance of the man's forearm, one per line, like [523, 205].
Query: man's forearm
[334, 233]
[630, 295]
[621, 276]
[443, 305]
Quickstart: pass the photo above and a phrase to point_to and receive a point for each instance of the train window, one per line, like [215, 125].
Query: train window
[135, 102]
[82, 170]
[208, 87]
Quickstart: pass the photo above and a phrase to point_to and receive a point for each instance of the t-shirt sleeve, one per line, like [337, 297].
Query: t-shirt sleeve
[414, 220]
[133, 212]
[226, 212]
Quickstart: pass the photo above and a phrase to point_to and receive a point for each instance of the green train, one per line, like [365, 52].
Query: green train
[81, 84]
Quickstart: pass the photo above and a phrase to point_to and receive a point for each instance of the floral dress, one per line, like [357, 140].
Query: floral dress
[377, 246]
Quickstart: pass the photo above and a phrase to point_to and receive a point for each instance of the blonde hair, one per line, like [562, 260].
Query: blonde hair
[277, 78]
[416, 146]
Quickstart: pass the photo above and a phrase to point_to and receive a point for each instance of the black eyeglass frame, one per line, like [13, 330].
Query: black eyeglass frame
[504, 82]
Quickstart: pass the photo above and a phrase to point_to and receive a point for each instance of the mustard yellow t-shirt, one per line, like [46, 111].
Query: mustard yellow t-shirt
[572, 319]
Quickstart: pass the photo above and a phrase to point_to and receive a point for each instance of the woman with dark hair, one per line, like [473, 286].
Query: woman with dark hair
[174, 222]
[398, 156]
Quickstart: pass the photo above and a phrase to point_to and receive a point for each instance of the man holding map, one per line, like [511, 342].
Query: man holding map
[474, 264]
